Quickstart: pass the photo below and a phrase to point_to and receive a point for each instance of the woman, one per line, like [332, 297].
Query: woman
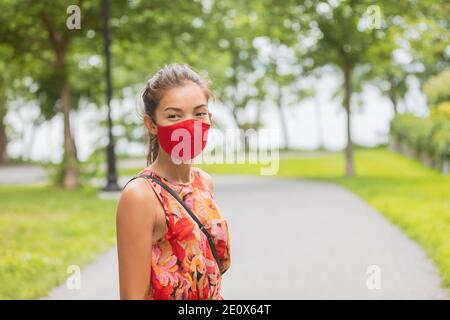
[163, 253]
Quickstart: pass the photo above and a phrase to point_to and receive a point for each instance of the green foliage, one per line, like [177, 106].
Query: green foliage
[443, 109]
[437, 88]
[92, 167]
[431, 134]
[54, 172]
[428, 45]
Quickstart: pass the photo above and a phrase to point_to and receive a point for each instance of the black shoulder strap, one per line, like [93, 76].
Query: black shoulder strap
[192, 214]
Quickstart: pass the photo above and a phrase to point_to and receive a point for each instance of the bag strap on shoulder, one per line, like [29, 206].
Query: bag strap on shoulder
[192, 214]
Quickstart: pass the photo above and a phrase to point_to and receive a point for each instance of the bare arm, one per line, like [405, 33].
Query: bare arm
[135, 221]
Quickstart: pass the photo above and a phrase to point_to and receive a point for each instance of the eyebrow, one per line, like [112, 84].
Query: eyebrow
[179, 109]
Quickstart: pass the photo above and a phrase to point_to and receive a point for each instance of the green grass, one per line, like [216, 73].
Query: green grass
[43, 230]
[411, 196]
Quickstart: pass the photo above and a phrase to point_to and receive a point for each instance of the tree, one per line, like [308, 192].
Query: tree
[428, 34]
[245, 78]
[420, 37]
[344, 39]
[233, 27]
[144, 33]
[387, 73]
[437, 88]
[15, 84]
[42, 34]
[5, 54]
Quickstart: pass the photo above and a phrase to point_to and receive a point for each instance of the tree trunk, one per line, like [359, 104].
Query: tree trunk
[3, 138]
[393, 99]
[60, 43]
[349, 167]
[71, 173]
[246, 145]
[318, 112]
[284, 127]
[258, 122]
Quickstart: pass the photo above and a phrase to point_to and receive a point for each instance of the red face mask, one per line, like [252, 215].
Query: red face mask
[184, 140]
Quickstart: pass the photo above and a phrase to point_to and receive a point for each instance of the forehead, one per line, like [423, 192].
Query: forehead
[190, 94]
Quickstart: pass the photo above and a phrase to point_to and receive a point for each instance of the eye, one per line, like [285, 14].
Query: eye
[201, 114]
[172, 116]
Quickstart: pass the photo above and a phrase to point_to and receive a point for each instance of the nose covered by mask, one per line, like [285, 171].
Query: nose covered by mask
[183, 140]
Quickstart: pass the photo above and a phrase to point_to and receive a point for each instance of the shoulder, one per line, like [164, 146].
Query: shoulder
[137, 200]
[138, 190]
[206, 178]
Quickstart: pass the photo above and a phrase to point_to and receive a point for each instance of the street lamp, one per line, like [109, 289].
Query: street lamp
[112, 171]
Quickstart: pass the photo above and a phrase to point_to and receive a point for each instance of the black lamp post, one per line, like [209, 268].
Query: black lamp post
[112, 171]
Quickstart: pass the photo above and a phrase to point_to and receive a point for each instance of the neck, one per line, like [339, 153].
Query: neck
[164, 166]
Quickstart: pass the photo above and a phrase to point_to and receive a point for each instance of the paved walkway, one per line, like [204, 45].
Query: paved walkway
[298, 240]
[22, 174]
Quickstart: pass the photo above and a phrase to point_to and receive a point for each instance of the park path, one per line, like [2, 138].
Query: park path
[22, 174]
[298, 240]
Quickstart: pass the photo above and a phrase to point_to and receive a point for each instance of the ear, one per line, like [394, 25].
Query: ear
[150, 124]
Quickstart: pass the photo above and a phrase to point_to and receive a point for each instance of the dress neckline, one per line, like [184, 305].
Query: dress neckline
[180, 184]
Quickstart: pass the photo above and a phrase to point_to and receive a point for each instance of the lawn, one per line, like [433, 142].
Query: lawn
[414, 198]
[43, 230]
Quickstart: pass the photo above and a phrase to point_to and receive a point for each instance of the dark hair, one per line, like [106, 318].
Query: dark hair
[170, 76]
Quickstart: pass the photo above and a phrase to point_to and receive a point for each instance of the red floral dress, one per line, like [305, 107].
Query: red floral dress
[183, 266]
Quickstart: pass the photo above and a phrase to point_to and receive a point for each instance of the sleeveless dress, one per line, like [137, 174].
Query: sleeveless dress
[183, 266]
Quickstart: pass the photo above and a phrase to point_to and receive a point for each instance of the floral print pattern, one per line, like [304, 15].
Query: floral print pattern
[183, 266]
